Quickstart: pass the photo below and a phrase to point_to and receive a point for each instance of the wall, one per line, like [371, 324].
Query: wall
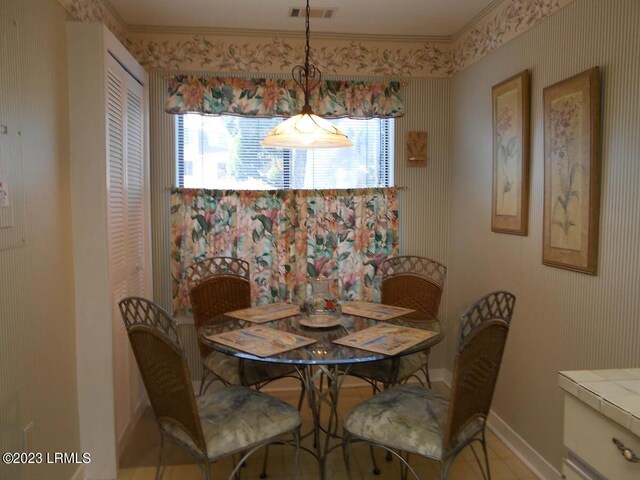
[563, 320]
[37, 324]
[423, 205]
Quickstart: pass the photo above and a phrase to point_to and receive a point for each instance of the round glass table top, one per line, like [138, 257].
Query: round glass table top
[323, 351]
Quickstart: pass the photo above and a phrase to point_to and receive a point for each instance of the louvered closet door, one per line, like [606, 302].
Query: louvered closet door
[135, 190]
[125, 164]
[136, 214]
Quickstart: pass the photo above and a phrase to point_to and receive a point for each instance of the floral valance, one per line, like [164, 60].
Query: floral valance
[285, 236]
[267, 97]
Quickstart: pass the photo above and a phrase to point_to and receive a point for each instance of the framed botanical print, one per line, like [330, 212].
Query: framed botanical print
[572, 172]
[510, 195]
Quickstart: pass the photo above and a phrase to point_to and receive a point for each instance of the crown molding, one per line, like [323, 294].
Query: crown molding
[116, 15]
[483, 13]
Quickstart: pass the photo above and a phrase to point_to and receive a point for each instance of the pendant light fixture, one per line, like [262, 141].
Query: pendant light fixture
[306, 130]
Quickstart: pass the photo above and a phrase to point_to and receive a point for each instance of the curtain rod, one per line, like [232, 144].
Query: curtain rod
[168, 189]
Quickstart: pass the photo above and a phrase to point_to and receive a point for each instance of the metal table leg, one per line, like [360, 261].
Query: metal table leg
[318, 394]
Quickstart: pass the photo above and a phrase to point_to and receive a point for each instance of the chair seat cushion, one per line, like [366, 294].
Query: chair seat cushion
[237, 418]
[381, 370]
[227, 368]
[407, 417]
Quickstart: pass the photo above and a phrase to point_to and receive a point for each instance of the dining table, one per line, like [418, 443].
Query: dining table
[323, 364]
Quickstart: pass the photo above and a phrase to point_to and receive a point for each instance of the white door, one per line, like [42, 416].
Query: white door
[126, 216]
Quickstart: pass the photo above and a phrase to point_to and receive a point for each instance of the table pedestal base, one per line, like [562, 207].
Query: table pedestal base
[314, 378]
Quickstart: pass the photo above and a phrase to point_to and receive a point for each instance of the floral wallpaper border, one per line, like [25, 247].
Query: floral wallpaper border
[96, 11]
[504, 23]
[279, 55]
[237, 53]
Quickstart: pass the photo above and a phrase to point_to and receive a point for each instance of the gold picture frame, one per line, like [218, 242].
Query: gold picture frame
[572, 172]
[510, 192]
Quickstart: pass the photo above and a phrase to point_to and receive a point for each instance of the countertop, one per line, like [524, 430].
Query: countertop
[613, 393]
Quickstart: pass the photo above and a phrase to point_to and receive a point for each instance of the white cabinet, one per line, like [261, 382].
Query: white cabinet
[110, 208]
[597, 410]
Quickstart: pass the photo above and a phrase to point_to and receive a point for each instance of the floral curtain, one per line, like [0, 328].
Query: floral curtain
[286, 235]
[260, 97]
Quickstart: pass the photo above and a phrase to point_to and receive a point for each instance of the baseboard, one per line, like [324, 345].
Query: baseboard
[514, 442]
[79, 474]
[133, 421]
[440, 375]
[521, 449]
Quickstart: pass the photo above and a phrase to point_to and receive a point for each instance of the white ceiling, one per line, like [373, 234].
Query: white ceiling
[370, 17]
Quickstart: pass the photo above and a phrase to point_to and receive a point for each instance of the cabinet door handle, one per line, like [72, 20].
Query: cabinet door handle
[627, 453]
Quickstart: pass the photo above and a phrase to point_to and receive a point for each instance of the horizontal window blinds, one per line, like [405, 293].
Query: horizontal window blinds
[224, 153]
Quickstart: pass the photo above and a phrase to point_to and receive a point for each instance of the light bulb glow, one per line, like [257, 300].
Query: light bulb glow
[306, 131]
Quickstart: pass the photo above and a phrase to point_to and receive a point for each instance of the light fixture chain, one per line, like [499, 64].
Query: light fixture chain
[306, 130]
[307, 49]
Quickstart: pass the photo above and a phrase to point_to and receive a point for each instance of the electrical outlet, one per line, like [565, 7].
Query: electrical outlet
[27, 437]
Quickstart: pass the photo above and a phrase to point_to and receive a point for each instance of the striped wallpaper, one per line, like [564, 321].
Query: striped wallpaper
[423, 205]
[38, 389]
[563, 320]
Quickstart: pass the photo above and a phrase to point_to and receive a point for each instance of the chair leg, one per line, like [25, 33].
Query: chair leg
[206, 470]
[426, 371]
[346, 444]
[294, 467]
[444, 468]
[303, 390]
[486, 457]
[376, 469]
[160, 467]
[205, 382]
[405, 467]
[202, 379]
[263, 474]
[404, 470]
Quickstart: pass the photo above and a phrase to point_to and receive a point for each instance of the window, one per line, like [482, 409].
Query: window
[224, 153]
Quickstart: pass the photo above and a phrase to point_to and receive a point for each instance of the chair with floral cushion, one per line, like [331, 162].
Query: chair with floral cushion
[218, 285]
[411, 419]
[230, 421]
[410, 282]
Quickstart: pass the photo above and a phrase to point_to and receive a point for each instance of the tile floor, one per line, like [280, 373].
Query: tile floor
[139, 457]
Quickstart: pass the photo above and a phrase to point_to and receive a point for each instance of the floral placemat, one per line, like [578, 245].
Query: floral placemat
[266, 313]
[377, 311]
[386, 339]
[261, 341]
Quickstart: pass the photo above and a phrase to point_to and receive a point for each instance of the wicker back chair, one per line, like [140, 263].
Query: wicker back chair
[416, 420]
[158, 351]
[481, 340]
[218, 285]
[410, 282]
[413, 282]
[214, 266]
[155, 342]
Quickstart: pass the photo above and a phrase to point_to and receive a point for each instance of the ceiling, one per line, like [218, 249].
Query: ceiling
[427, 18]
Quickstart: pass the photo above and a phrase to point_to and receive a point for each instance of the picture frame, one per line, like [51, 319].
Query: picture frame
[572, 168]
[511, 150]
